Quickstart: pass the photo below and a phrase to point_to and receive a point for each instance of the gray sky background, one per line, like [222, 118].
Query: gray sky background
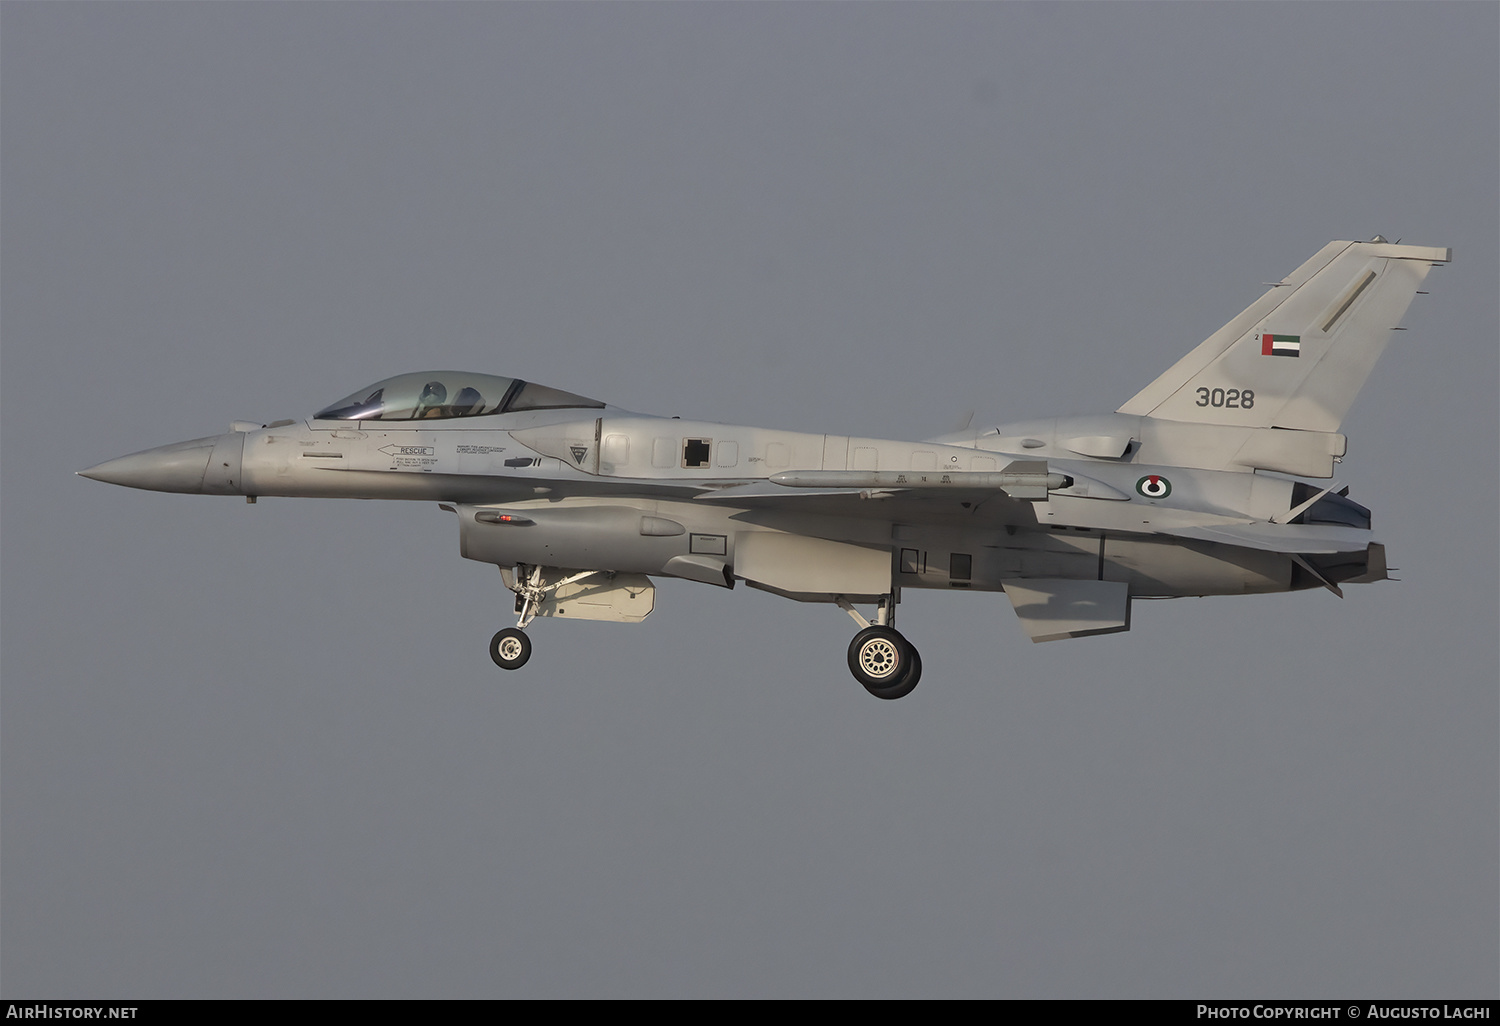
[261, 751]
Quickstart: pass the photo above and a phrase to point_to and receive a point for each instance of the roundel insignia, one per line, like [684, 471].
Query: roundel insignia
[1154, 486]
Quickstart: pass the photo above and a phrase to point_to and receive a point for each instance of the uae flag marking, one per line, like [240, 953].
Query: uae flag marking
[1281, 345]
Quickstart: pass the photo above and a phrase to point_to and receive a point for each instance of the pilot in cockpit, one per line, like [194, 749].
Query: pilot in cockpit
[430, 405]
[466, 402]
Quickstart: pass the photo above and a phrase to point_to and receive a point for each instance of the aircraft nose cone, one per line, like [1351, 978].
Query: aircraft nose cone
[167, 468]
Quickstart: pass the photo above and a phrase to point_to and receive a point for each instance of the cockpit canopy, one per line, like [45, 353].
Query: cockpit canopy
[435, 395]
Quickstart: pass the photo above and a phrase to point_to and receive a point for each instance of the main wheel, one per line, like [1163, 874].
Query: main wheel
[510, 649]
[884, 662]
[907, 684]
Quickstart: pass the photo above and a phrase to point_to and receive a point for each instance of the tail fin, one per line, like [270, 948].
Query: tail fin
[1297, 356]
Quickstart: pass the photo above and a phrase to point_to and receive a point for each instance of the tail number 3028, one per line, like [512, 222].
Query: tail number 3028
[1232, 399]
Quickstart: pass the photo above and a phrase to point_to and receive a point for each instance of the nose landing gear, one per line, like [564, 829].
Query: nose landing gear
[511, 647]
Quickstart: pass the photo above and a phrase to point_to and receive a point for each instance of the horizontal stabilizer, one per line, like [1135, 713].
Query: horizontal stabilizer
[1375, 567]
[1051, 610]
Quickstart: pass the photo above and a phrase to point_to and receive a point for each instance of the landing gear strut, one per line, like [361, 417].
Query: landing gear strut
[511, 647]
[880, 658]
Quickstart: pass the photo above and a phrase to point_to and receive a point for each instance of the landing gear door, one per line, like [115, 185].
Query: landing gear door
[620, 598]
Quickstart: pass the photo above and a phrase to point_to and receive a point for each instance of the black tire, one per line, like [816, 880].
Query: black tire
[907, 684]
[884, 662]
[510, 649]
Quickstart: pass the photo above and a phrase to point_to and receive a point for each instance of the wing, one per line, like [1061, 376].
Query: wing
[1317, 539]
[1005, 496]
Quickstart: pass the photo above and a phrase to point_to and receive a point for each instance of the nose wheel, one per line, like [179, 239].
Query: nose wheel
[510, 649]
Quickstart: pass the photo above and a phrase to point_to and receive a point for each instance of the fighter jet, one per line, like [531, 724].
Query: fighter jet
[1192, 487]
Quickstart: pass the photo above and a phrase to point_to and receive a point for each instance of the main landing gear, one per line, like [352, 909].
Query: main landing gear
[880, 658]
